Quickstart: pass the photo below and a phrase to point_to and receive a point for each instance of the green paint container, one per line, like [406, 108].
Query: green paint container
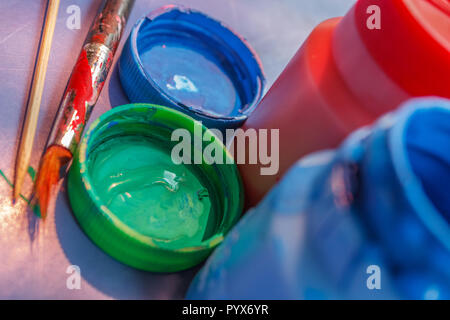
[139, 206]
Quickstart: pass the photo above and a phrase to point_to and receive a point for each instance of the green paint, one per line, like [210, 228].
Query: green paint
[6, 179]
[32, 174]
[137, 180]
[137, 205]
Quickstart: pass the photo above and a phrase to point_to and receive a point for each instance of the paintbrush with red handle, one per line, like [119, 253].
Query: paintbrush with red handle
[81, 94]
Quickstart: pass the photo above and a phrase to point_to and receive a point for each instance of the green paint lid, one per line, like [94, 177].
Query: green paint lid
[151, 196]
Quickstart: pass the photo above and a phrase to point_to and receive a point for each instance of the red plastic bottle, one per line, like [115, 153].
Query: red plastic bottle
[349, 72]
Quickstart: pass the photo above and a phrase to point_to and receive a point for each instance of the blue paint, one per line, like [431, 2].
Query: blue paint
[188, 61]
[376, 200]
[428, 144]
[191, 82]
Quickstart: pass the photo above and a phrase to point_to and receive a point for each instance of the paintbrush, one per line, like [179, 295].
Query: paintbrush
[34, 101]
[81, 94]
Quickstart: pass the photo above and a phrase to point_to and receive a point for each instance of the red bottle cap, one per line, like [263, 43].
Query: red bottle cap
[413, 42]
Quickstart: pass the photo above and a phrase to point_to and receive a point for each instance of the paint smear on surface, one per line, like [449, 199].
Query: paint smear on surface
[32, 174]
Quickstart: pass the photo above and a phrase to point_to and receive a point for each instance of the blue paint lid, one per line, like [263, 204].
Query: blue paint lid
[185, 60]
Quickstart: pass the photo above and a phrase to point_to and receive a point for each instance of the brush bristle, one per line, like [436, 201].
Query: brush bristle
[49, 175]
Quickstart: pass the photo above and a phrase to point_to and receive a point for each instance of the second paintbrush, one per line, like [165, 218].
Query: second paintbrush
[81, 94]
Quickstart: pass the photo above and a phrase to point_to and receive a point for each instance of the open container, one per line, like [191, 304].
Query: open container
[185, 60]
[140, 207]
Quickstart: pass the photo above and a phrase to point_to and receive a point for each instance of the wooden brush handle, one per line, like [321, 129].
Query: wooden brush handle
[34, 102]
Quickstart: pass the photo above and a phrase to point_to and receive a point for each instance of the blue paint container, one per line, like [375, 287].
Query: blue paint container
[185, 60]
[367, 221]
